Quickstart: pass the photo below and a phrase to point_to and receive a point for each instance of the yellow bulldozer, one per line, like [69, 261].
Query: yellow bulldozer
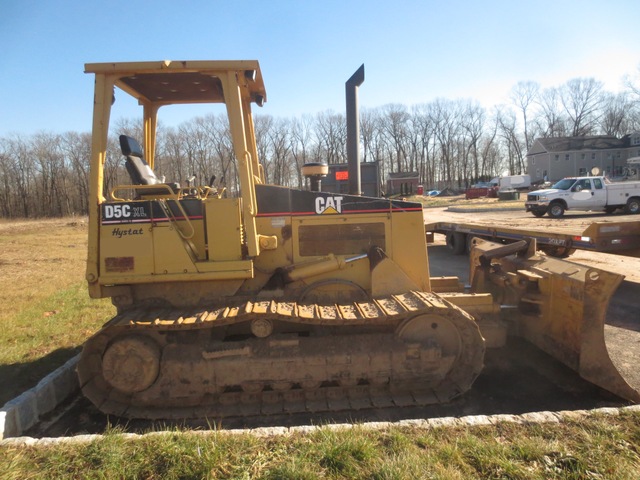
[269, 299]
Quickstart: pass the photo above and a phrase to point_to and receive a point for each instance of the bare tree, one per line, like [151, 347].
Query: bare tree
[20, 166]
[280, 149]
[524, 95]
[507, 128]
[632, 83]
[300, 144]
[490, 153]
[472, 127]
[374, 142]
[170, 153]
[550, 122]
[615, 118]
[446, 123]
[331, 137]
[581, 99]
[422, 126]
[394, 124]
[76, 148]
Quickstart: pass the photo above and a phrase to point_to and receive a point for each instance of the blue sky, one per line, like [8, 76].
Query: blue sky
[413, 51]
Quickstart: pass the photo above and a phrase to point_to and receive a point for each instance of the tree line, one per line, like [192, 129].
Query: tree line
[450, 143]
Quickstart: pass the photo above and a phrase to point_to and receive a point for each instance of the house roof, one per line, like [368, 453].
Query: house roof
[403, 175]
[564, 144]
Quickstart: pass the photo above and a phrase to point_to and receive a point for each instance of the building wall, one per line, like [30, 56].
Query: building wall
[560, 164]
[402, 186]
[337, 181]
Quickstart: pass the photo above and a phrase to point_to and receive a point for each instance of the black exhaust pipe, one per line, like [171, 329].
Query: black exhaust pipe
[353, 130]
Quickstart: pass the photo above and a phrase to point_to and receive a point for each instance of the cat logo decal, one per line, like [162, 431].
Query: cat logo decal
[328, 205]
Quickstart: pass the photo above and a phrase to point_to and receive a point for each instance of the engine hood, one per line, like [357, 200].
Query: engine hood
[547, 191]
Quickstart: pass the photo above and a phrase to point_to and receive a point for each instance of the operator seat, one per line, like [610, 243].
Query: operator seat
[139, 170]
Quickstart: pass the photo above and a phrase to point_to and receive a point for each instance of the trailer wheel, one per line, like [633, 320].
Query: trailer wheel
[469, 243]
[456, 242]
[632, 206]
[557, 251]
[556, 210]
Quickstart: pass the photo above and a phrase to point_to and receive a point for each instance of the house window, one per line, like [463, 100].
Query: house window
[593, 156]
[635, 140]
[582, 172]
[618, 155]
[583, 156]
[557, 157]
[566, 157]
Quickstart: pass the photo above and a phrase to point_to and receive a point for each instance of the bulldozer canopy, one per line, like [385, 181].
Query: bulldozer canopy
[175, 82]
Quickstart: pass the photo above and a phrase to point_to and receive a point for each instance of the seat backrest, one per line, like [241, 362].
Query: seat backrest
[139, 170]
[130, 146]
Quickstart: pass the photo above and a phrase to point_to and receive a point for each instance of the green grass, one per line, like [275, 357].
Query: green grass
[43, 335]
[45, 311]
[601, 447]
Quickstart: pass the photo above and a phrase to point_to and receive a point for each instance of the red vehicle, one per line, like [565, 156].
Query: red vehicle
[483, 189]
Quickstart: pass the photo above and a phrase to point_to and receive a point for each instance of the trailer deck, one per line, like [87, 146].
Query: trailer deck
[617, 237]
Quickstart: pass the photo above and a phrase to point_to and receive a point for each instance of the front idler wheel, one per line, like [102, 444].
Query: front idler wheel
[450, 346]
[131, 364]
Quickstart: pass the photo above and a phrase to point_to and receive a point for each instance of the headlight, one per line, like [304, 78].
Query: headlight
[542, 198]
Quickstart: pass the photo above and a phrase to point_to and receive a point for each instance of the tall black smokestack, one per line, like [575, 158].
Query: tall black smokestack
[353, 130]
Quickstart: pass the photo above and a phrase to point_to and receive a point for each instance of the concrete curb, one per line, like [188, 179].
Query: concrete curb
[24, 411]
[483, 210]
[431, 423]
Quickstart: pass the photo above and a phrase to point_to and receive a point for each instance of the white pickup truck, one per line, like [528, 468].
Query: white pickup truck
[584, 193]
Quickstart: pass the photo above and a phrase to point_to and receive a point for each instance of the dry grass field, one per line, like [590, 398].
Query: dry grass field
[45, 311]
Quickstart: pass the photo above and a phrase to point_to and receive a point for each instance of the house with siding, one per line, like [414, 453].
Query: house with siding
[556, 158]
[403, 183]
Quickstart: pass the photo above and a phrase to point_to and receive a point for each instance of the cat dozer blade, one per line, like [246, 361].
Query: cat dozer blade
[557, 305]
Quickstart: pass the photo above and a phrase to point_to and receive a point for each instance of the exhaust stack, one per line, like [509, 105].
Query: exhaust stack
[353, 130]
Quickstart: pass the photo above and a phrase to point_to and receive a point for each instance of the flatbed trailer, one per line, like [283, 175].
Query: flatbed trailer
[622, 238]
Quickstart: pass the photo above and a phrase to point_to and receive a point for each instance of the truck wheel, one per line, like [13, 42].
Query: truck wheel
[556, 210]
[632, 206]
[538, 213]
[456, 242]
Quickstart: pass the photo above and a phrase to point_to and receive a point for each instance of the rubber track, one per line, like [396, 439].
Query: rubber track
[390, 310]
